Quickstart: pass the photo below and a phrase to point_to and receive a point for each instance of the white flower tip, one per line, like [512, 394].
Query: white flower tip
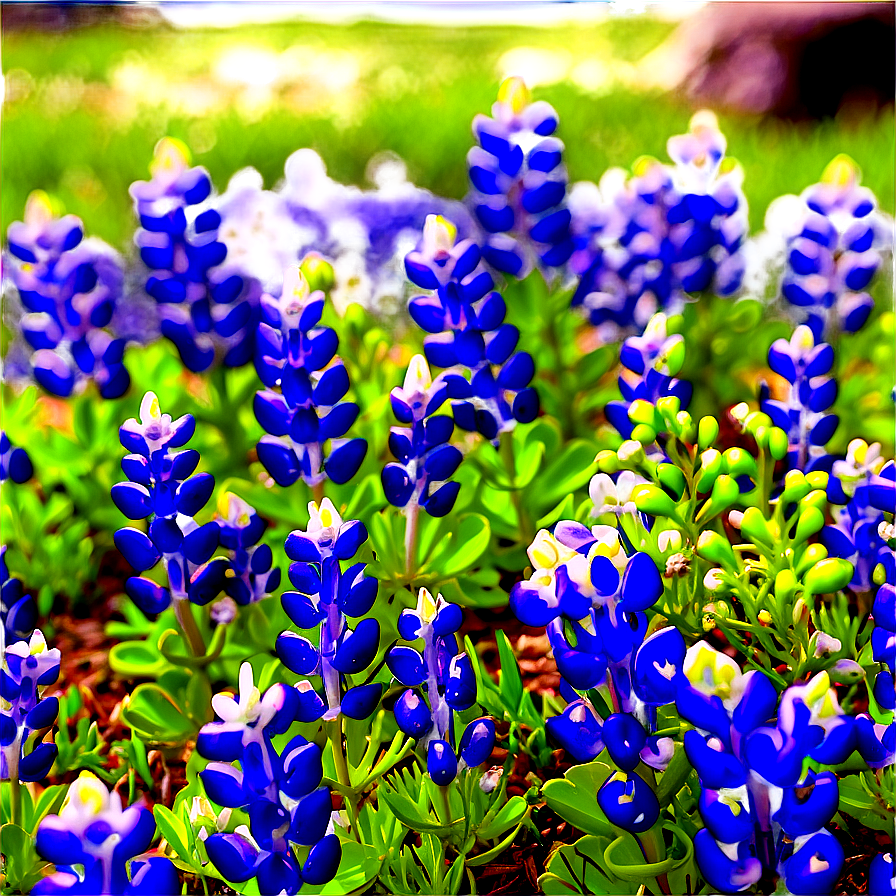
[439, 235]
[418, 378]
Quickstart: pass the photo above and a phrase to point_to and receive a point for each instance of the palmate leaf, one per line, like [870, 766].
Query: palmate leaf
[578, 868]
[574, 797]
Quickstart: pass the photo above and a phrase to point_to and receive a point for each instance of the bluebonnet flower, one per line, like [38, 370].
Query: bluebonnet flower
[280, 791]
[644, 243]
[881, 878]
[519, 183]
[29, 668]
[18, 610]
[425, 458]
[833, 237]
[164, 489]
[299, 356]
[863, 484]
[467, 319]
[439, 682]
[69, 287]
[15, 464]
[206, 309]
[613, 496]
[326, 595]
[804, 415]
[650, 363]
[762, 811]
[251, 574]
[93, 839]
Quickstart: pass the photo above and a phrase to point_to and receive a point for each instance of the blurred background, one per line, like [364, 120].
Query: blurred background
[90, 88]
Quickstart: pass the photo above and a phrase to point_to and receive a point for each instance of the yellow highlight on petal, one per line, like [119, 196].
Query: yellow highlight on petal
[170, 155]
[326, 517]
[426, 606]
[841, 171]
[514, 93]
[38, 208]
[90, 792]
[439, 234]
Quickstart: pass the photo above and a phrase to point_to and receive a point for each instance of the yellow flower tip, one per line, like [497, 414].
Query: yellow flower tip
[89, 791]
[841, 171]
[514, 93]
[765, 617]
[38, 208]
[704, 120]
[418, 378]
[295, 290]
[426, 606]
[170, 156]
[642, 165]
[439, 234]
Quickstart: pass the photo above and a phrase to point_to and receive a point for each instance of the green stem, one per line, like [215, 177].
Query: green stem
[184, 613]
[411, 533]
[507, 456]
[15, 793]
[443, 810]
[342, 773]
[318, 492]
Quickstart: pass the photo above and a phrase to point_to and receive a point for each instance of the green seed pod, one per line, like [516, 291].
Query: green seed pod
[879, 575]
[672, 478]
[795, 486]
[607, 461]
[818, 479]
[777, 443]
[811, 521]
[817, 499]
[756, 527]
[739, 462]
[644, 434]
[710, 467]
[668, 406]
[828, 575]
[707, 432]
[813, 554]
[653, 500]
[716, 548]
[642, 411]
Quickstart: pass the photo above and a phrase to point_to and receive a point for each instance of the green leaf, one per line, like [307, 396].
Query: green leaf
[406, 811]
[454, 555]
[48, 803]
[511, 681]
[136, 659]
[579, 868]
[173, 830]
[510, 814]
[154, 714]
[574, 797]
[358, 867]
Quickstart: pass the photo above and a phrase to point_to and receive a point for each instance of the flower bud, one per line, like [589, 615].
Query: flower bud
[710, 467]
[795, 486]
[685, 429]
[642, 411]
[724, 492]
[812, 555]
[607, 461]
[653, 500]
[800, 615]
[764, 617]
[671, 360]
[755, 526]
[318, 272]
[821, 644]
[631, 453]
[707, 432]
[668, 406]
[672, 478]
[489, 781]
[818, 479]
[786, 585]
[644, 434]
[761, 436]
[669, 540]
[716, 548]
[778, 443]
[828, 575]
[739, 462]
[816, 498]
[846, 672]
[811, 521]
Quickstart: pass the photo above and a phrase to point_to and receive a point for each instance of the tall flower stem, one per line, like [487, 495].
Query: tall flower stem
[507, 456]
[318, 491]
[411, 533]
[184, 613]
[334, 733]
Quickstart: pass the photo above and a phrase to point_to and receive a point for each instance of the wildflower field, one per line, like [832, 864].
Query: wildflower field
[421, 481]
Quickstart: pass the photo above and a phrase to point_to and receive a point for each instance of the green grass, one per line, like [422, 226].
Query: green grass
[75, 134]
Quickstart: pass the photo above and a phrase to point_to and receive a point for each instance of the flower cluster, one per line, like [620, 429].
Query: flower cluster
[205, 310]
[644, 242]
[449, 682]
[326, 595]
[519, 184]
[26, 715]
[93, 840]
[164, 489]
[68, 287]
[650, 363]
[804, 416]
[280, 791]
[17, 610]
[425, 458]
[833, 238]
[468, 320]
[763, 812]
[299, 356]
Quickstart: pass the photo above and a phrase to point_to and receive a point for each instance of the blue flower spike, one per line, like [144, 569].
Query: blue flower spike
[489, 381]
[307, 419]
[328, 595]
[206, 308]
[69, 288]
[629, 802]
[289, 839]
[252, 574]
[519, 184]
[94, 840]
[29, 669]
[18, 611]
[439, 682]
[425, 459]
[165, 490]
